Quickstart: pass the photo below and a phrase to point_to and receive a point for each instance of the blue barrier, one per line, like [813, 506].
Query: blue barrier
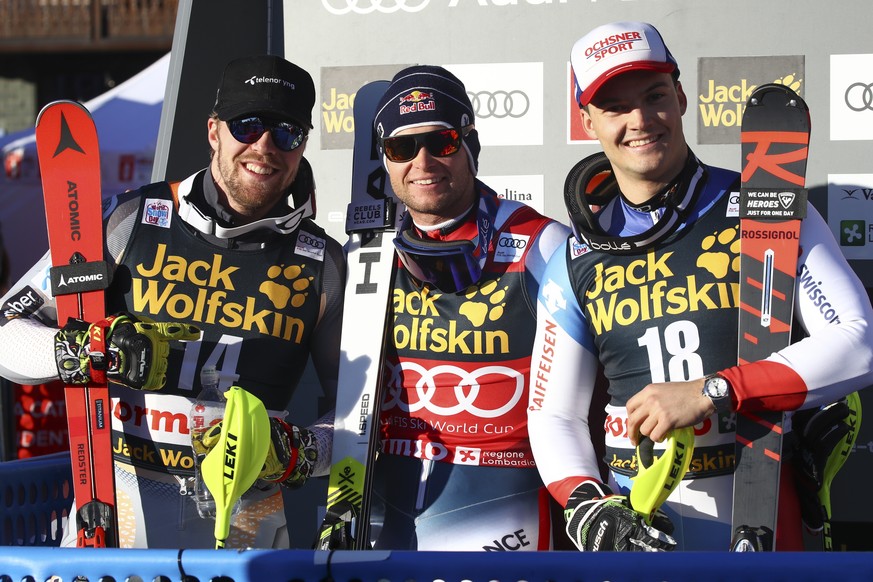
[361, 566]
[34, 494]
[36, 491]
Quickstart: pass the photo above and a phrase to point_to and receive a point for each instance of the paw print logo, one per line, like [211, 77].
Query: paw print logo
[285, 286]
[484, 302]
[790, 81]
[721, 252]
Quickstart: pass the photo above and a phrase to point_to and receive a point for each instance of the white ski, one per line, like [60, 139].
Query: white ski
[371, 220]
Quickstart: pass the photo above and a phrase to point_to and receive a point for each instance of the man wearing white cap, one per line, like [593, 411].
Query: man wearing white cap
[647, 289]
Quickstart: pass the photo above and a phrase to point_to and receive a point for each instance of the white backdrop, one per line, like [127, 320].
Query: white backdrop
[513, 56]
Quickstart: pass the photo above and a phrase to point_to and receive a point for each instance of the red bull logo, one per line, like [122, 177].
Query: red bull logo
[415, 96]
[417, 100]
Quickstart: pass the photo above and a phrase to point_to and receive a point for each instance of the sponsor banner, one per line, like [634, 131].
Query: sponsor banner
[507, 100]
[575, 132]
[724, 84]
[364, 7]
[850, 213]
[339, 85]
[851, 91]
[527, 189]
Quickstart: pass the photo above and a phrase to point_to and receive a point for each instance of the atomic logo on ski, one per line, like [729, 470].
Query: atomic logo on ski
[67, 141]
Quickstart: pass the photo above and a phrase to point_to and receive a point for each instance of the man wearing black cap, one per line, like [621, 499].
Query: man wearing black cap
[647, 289]
[456, 470]
[234, 251]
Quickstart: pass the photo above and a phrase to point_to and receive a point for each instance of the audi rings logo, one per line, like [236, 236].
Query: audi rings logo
[499, 104]
[515, 243]
[341, 7]
[467, 395]
[859, 96]
[315, 243]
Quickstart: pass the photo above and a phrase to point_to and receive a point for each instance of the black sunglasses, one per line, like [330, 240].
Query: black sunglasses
[286, 136]
[439, 143]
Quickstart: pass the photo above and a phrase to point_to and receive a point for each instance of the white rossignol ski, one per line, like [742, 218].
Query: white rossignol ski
[371, 221]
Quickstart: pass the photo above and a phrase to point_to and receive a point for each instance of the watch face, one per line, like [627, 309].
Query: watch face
[716, 387]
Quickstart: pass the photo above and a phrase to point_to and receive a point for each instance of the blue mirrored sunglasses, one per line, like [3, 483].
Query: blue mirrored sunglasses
[248, 130]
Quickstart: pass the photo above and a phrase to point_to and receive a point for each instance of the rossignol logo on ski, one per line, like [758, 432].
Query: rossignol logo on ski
[775, 164]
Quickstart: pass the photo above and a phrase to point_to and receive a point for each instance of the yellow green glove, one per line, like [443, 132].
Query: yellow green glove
[134, 353]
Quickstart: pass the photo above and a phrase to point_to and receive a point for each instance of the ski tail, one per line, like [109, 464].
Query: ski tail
[773, 198]
[69, 161]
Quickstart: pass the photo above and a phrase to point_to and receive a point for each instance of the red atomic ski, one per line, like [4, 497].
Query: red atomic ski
[69, 162]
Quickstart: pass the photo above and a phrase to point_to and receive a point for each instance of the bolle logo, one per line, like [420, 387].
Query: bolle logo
[609, 246]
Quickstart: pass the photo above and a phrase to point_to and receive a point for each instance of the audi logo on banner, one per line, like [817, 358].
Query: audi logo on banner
[341, 7]
[315, 243]
[468, 395]
[859, 96]
[499, 104]
[515, 243]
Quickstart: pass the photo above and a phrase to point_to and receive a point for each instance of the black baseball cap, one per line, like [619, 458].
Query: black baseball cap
[265, 85]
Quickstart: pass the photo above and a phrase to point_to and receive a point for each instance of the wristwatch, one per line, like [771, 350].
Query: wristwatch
[718, 389]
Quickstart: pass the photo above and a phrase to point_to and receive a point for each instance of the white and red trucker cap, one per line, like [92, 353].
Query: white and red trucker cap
[616, 48]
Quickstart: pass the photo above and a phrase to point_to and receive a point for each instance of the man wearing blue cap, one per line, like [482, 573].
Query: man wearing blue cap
[455, 470]
[646, 289]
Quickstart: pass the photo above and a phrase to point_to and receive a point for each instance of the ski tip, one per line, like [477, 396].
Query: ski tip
[60, 103]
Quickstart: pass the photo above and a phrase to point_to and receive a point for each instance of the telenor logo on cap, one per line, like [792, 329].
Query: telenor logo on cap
[614, 44]
[254, 80]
